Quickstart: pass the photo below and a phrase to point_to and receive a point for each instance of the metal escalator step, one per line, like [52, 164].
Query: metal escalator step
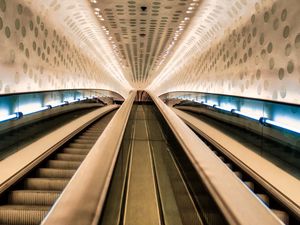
[76, 151]
[54, 173]
[84, 146]
[61, 164]
[91, 138]
[22, 214]
[71, 157]
[238, 174]
[283, 216]
[52, 184]
[90, 135]
[264, 198]
[84, 141]
[222, 158]
[229, 165]
[93, 129]
[92, 132]
[250, 185]
[32, 197]
[97, 127]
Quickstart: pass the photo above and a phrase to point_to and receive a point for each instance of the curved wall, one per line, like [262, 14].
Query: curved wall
[37, 53]
[256, 57]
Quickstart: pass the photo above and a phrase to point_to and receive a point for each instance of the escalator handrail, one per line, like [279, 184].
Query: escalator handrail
[82, 200]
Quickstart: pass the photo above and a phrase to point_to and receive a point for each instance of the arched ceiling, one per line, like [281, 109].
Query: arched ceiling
[139, 41]
[143, 33]
[77, 20]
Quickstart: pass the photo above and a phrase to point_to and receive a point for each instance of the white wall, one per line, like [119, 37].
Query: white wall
[38, 52]
[257, 56]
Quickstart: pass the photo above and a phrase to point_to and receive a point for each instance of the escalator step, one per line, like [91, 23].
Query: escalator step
[91, 132]
[22, 215]
[54, 173]
[60, 164]
[87, 138]
[97, 128]
[229, 165]
[93, 129]
[83, 146]
[84, 141]
[69, 157]
[31, 197]
[283, 216]
[76, 151]
[238, 174]
[52, 184]
[222, 158]
[264, 198]
[250, 185]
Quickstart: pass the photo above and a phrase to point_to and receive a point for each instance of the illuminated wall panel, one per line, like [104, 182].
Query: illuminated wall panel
[40, 52]
[256, 56]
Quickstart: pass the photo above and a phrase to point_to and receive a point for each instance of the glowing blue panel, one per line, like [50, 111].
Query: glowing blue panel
[4, 112]
[282, 125]
[227, 106]
[34, 110]
[54, 104]
[249, 115]
[251, 112]
[221, 108]
[29, 108]
[8, 117]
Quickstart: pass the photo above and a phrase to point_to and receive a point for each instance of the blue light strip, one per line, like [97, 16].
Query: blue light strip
[9, 117]
[58, 104]
[72, 101]
[16, 115]
[221, 108]
[263, 120]
[280, 125]
[207, 104]
[234, 111]
[38, 110]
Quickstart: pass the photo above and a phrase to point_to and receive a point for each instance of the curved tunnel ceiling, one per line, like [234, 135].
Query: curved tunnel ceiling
[77, 20]
[235, 47]
[138, 40]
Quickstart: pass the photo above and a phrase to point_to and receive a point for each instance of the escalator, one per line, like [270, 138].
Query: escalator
[153, 181]
[30, 199]
[275, 201]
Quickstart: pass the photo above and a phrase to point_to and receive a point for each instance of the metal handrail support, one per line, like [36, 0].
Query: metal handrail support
[82, 200]
[237, 203]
